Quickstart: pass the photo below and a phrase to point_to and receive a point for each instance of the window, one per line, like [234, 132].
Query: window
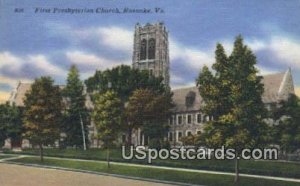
[189, 119]
[188, 133]
[198, 132]
[190, 98]
[179, 120]
[151, 49]
[143, 49]
[198, 118]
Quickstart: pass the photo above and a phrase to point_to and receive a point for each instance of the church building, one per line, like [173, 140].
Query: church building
[151, 52]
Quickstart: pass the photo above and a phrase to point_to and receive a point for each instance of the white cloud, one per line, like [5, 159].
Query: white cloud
[7, 58]
[178, 81]
[286, 50]
[91, 61]
[256, 44]
[117, 38]
[81, 58]
[41, 62]
[265, 70]
[13, 68]
[10, 61]
[228, 46]
[195, 58]
[253, 44]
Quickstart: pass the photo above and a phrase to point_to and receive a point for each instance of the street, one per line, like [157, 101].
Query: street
[16, 175]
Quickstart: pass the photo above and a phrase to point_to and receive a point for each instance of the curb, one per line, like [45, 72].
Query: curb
[100, 173]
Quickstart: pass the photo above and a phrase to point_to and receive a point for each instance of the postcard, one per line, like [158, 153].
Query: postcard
[162, 92]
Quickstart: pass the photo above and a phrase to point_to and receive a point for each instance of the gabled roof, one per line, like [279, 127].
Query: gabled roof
[273, 84]
[18, 95]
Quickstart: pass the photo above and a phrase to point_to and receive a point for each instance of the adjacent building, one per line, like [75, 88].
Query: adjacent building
[187, 118]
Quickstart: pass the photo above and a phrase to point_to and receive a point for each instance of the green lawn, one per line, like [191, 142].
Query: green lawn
[271, 168]
[156, 173]
[5, 156]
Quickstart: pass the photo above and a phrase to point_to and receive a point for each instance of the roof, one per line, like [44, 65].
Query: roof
[18, 95]
[272, 84]
[179, 99]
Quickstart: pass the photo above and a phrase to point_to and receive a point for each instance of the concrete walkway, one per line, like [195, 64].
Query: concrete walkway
[176, 169]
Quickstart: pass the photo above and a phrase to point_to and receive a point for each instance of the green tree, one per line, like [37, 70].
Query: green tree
[232, 96]
[287, 131]
[107, 118]
[76, 117]
[124, 80]
[136, 111]
[159, 112]
[10, 123]
[43, 113]
[150, 112]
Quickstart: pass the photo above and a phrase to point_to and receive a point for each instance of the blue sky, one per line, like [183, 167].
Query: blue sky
[34, 44]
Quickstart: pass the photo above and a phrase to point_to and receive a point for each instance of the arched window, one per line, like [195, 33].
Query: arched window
[143, 49]
[151, 49]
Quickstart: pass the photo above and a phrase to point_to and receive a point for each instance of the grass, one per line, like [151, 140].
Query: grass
[5, 156]
[270, 168]
[156, 173]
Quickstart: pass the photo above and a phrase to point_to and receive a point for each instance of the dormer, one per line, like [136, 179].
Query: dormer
[190, 98]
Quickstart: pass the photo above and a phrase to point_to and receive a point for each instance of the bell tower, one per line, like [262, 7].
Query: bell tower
[151, 50]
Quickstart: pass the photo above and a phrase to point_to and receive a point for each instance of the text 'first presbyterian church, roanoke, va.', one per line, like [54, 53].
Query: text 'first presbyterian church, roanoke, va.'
[151, 52]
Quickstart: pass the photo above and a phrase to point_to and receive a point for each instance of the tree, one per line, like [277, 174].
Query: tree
[76, 116]
[232, 96]
[136, 111]
[124, 80]
[159, 112]
[107, 118]
[10, 123]
[43, 113]
[150, 112]
[287, 131]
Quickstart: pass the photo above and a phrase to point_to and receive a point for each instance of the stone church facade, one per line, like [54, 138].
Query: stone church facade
[151, 52]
